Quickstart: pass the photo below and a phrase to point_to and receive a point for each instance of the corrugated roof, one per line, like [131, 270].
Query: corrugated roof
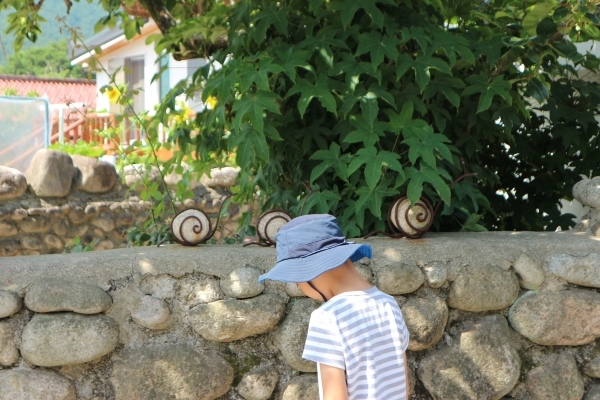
[57, 90]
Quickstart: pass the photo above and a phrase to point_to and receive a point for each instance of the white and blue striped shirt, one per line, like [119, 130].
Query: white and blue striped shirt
[363, 333]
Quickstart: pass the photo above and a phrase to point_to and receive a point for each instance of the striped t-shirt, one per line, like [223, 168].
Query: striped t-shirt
[363, 333]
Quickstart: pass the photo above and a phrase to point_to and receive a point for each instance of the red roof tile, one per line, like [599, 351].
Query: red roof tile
[57, 90]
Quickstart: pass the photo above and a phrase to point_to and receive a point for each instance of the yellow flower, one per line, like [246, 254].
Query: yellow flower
[113, 95]
[212, 102]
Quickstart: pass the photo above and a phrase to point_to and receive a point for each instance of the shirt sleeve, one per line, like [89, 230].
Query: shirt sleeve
[324, 341]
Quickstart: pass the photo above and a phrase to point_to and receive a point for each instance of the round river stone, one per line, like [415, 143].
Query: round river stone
[61, 295]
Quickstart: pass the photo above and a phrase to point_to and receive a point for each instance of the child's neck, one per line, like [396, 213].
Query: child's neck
[340, 280]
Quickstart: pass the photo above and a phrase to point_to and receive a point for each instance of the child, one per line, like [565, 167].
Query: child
[357, 337]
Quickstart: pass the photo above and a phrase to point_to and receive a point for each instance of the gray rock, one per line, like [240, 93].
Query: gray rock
[160, 286]
[53, 242]
[531, 275]
[483, 288]
[584, 271]
[435, 274]
[31, 243]
[77, 215]
[51, 340]
[229, 320]
[105, 221]
[592, 368]
[557, 379]
[104, 245]
[12, 183]
[587, 192]
[220, 177]
[61, 227]
[60, 295]
[21, 384]
[291, 335]
[135, 173]
[10, 303]
[425, 319]
[259, 383]
[192, 292]
[292, 290]
[171, 371]
[8, 351]
[303, 387]
[9, 247]
[242, 283]
[593, 393]
[8, 229]
[35, 224]
[50, 173]
[485, 365]
[152, 313]
[93, 176]
[567, 317]
[399, 278]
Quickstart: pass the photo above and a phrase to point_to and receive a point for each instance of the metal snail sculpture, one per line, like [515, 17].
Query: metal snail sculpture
[192, 227]
[414, 221]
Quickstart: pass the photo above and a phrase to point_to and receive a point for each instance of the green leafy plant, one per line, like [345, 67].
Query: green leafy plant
[88, 149]
[75, 246]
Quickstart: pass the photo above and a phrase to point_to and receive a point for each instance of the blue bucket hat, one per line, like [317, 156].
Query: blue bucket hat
[310, 245]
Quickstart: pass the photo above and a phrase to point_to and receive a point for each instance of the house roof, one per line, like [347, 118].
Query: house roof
[57, 90]
[109, 40]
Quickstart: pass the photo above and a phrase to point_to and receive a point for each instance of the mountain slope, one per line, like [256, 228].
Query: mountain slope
[82, 15]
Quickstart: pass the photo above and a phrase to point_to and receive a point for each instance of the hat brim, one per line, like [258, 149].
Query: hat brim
[304, 269]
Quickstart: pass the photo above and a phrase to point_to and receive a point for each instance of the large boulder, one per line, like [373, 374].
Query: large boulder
[220, 177]
[425, 319]
[93, 176]
[170, 371]
[12, 183]
[485, 365]
[50, 173]
[564, 318]
[531, 275]
[399, 278]
[10, 303]
[557, 379]
[483, 288]
[303, 387]
[134, 175]
[21, 384]
[242, 283]
[587, 192]
[291, 335]
[51, 340]
[193, 292]
[60, 295]
[229, 320]
[584, 271]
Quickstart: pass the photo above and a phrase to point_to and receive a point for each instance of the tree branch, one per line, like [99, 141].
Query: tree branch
[196, 47]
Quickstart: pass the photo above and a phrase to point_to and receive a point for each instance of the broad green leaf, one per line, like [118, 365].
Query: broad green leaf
[322, 43]
[466, 189]
[258, 74]
[365, 132]
[537, 13]
[453, 45]
[422, 64]
[348, 10]
[423, 143]
[369, 106]
[315, 4]
[487, 91]
[291, 59]
[417, 177]
[354, 70]
[374, 162]
[445, 85]
[471, 224]
[417, 34]
[308, 91]
[324, 202]
[271, 16]
[250, 144]
[330, 159]
[373, 197]
[378, 47]
[403, 123]
[221, 82]
[537, 90]
[253, 107]
[382, 94]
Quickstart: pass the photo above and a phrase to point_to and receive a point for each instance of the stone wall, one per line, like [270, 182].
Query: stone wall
[513, 315]
[60, 197]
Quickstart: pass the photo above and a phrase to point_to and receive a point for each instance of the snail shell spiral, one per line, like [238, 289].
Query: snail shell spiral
[269, 224]
[190, 227]
[413, 221]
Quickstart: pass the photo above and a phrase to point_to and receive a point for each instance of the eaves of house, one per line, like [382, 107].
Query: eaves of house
[58, 91]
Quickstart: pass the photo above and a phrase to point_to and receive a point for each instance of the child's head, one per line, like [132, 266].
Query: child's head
[311, 247]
